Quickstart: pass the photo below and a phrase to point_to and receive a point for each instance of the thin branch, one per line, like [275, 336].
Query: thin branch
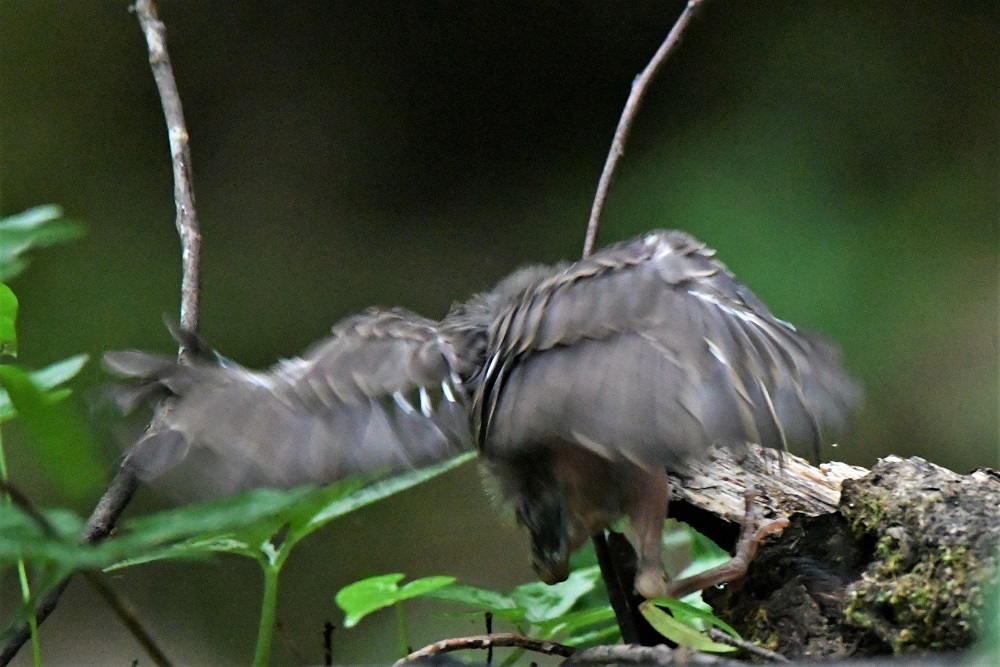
[98, 526]
[504, 639]
[328, 628]
[122, 607]
[618, 591]
[124, 485]
[128, 614]
[294, 651]
[180, 153]
[748, 647]
[632, 654]
[639, 87]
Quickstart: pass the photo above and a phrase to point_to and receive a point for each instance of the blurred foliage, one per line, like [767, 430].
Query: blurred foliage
[575, 612]
[61, 439]
[263, 525]
[35, 228]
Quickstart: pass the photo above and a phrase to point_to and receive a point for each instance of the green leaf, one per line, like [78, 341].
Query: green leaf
[342, 505]
[59, 372]
[8, 321]
[247, 524]
[46, 378]
[680, 633]
[611, 634]
[62, 441]
[195, 531]
[705, 554]
[684, 612]
[368, 595]
[575, 621]
[542, 602]
[24, 538]
[482, 598]
[35, 228]
[239, 524]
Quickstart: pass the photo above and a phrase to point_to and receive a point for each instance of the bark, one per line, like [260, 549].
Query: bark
[895, 563]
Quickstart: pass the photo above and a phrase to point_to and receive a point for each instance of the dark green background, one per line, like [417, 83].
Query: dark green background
[842, 158]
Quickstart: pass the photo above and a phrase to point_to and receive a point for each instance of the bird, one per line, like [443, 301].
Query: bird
[579, 383]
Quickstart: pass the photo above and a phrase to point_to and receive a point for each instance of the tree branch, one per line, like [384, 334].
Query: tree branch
[180, 154]
[487, 641]
[124, 485]
[639, 87]
[628, 621]
[122, 607]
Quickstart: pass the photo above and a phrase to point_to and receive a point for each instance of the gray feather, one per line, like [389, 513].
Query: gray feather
[319, 418]
[653, 351]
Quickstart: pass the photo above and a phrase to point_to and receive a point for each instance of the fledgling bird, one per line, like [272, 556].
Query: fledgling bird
[580, 383]
[596, 377]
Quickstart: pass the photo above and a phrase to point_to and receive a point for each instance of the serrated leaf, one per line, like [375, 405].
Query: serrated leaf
[62, 441]
[369, 595]
[680, 633]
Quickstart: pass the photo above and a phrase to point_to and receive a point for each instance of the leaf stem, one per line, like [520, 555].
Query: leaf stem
[404, 634]
[268, 612]
[22, 575]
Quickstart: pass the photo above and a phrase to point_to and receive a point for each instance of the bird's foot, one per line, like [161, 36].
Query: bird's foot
[752, 532]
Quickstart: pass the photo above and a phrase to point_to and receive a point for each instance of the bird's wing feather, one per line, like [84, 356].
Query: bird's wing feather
[653, 351]
[377, 396]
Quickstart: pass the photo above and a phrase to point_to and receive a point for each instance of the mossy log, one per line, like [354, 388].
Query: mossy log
[887, 561]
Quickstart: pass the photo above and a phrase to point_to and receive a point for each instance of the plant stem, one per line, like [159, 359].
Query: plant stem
[268, 611]
[22, 575]
[29, 607]
[404, 634]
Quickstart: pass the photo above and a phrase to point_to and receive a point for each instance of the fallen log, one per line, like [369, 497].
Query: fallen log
[892, 560]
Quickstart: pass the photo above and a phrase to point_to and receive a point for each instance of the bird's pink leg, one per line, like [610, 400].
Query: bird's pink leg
[752, 533]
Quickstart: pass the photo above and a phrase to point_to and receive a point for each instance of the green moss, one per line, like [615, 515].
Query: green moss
[906, 603]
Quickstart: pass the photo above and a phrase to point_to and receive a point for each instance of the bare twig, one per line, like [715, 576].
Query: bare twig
[639, 87]
[328, 628]
[489, 630]
[294, 651]
[180, 153]
[618, 591]
[124, 485]
[128, 614]
[502, 639]
[632, 654]
[122, 607]
[745, 646]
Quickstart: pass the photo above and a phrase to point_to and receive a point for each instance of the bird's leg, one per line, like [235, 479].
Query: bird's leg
[752, 533]
[646, 508]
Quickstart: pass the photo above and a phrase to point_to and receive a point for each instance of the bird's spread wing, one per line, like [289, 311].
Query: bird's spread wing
[651, 350]
[379, 395]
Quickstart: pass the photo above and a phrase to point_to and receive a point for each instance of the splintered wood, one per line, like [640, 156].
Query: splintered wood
[788, 485]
